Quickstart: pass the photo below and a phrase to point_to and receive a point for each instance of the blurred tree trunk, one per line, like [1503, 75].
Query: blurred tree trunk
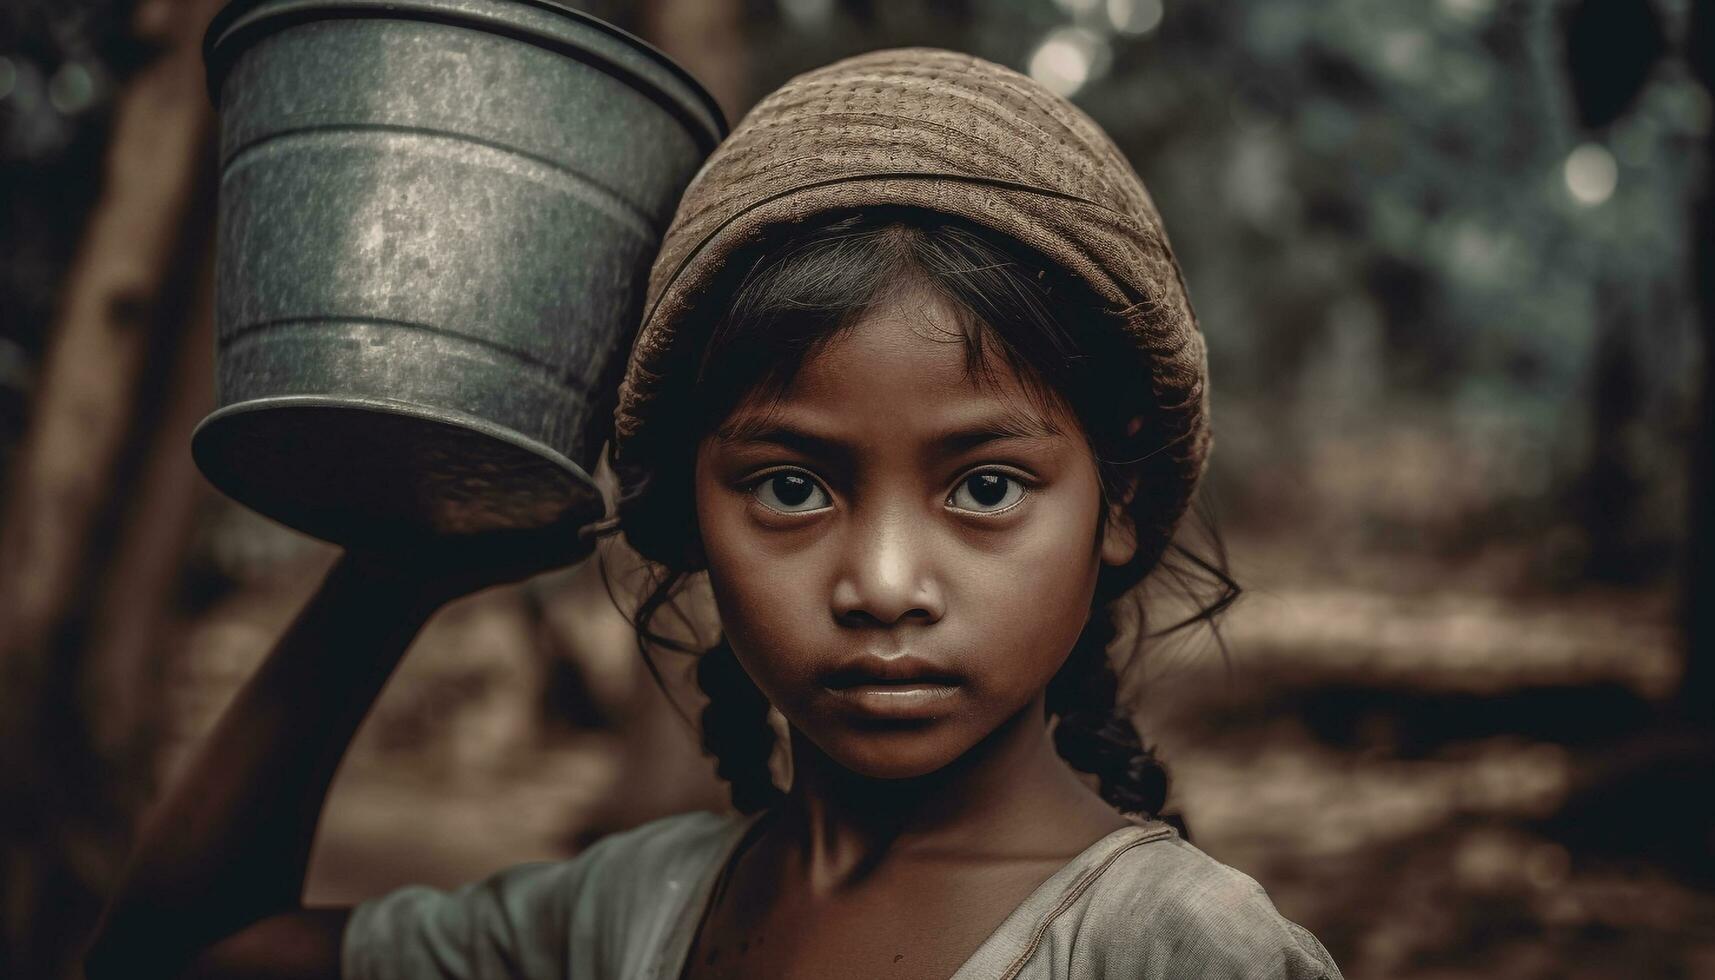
[70, 597]
[1698, 690]
[122, 675]
[707, 38]
[1611, 490]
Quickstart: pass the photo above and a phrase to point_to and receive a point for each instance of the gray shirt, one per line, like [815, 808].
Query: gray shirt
[1139, 904]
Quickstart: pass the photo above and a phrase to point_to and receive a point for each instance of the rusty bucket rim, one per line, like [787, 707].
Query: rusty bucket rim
[389, 406]
[239, 21]
[400, 407]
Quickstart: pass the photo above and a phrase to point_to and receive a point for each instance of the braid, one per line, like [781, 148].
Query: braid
[1094, 736]
[735, 728]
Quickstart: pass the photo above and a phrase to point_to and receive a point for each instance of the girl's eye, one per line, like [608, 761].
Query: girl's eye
[988, 492]
[790, 492]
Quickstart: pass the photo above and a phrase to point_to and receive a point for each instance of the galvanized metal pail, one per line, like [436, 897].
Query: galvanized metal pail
[436, 220]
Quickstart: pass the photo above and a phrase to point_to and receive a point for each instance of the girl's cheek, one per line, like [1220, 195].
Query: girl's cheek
[1050, 579]
[765, 609]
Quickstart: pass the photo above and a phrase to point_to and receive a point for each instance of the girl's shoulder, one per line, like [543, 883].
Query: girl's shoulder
[645, 874]
[668, 845]
[604, 912]
[1162, 907]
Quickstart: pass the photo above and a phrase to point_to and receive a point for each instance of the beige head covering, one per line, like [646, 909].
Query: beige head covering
[937, 130]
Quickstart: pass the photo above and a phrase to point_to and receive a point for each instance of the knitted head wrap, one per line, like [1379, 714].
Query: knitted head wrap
[946, 132]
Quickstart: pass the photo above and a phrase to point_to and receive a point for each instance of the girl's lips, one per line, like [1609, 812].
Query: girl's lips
[878, 670]
[898, 700]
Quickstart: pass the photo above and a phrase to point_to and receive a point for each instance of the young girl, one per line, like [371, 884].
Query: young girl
[920, 390]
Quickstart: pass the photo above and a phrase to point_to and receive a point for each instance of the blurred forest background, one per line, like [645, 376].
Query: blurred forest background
[1443, 252]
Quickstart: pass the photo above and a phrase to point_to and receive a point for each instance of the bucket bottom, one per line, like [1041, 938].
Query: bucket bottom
[367, 473]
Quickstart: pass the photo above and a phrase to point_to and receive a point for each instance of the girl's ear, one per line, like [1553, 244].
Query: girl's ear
[1119, 536]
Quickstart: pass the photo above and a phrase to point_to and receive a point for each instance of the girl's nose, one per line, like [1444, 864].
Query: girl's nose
[886, 575]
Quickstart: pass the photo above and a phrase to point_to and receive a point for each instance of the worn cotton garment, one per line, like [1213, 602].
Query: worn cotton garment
[1139, 904]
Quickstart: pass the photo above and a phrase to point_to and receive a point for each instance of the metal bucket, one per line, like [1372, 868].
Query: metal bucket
[436, 221]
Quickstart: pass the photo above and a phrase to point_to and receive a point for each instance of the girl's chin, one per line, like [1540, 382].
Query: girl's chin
[894, 753]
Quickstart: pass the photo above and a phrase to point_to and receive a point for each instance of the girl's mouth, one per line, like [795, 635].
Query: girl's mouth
[887, 671]
[904, 700]
[907, 687]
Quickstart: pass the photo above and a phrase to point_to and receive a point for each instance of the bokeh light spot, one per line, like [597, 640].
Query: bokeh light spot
[72, 89]
[807, 13]
[1068, 58]
[1135, 16]
[1591, 174]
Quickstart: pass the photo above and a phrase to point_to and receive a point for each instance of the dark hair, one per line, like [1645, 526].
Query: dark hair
[785, 301]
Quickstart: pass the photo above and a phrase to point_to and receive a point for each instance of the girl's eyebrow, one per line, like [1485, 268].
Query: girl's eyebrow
[763, 430]
[1011, 426]
[791, 438]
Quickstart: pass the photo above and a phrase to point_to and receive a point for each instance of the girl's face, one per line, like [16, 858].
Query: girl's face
[902, 557]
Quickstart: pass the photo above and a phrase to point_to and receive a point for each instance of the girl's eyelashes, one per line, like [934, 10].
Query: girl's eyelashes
[791, 490]
[989, 492]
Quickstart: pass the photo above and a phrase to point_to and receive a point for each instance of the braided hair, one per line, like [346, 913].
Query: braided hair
[1092, 736]
[794, 295]
[735, 728]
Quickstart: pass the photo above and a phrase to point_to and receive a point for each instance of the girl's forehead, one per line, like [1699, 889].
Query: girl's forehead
[903, 367]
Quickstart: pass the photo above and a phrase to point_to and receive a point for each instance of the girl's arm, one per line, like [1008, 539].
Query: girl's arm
[214, 885]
